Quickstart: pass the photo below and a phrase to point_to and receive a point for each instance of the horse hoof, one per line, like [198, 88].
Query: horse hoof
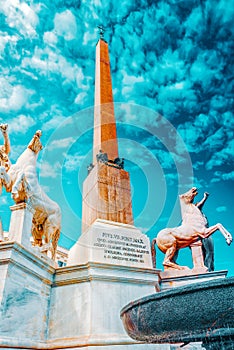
[184, 268]
[14, 195]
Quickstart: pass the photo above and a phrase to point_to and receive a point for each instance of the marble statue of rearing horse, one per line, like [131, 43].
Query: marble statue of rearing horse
[193, 227]
[22, 181]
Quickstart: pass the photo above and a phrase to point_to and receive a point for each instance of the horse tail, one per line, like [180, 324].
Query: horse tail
[54, 243]
[153, 252]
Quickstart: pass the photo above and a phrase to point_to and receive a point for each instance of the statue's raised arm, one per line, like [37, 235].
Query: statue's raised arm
[6, 148]
[202, 202]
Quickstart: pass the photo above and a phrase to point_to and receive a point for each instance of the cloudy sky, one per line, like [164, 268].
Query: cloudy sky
[172, 73]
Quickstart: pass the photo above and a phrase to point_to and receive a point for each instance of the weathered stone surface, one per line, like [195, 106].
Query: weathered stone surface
[25, 293]
[70, 307]
[106, 195]
[105, 137]
[190, 313]
[92, 295]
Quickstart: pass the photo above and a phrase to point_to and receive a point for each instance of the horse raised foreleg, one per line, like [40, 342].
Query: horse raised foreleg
[210, 230]
[16, 187]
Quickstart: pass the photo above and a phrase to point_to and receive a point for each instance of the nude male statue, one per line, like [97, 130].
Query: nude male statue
[207, 243]
[4, 161]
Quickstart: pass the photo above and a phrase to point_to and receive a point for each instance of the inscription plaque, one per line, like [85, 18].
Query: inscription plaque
[121, 247]
[113, 243]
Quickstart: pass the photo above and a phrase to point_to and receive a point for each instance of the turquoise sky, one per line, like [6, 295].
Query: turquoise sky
[172, 73]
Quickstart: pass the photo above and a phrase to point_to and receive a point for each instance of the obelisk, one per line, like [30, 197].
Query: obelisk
[105, 136]
[106, 190]
[108, 234]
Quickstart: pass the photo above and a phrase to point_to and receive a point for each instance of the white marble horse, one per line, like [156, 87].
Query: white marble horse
[193, 228]
[22, 181]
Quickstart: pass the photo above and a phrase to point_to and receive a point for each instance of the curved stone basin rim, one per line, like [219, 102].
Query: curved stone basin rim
[197, 312]
[179, 290]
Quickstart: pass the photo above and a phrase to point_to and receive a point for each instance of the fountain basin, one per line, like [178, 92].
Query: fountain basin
[197, 312]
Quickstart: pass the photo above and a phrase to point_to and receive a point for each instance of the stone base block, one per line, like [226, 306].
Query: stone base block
[176, 278]
[73, 307]
[66, 308]
[25, 285]
[112, 243]
[92, 296]
[21, 224]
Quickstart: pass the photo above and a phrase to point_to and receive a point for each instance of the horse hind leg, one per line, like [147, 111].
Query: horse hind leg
[169, 255]
[169, 259]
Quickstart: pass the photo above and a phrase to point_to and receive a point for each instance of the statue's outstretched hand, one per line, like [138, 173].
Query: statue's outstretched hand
[206, 194]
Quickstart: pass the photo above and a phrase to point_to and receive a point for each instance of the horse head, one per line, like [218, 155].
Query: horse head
[189, 196]
[35, 144]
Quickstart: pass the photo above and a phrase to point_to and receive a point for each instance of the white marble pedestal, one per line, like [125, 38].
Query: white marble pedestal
[21, 224]
[114, 243]
[109, 265]
[73, 307]
[25, 286]
[91, 297]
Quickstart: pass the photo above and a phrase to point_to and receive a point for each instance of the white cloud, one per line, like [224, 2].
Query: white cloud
[80, 98]
[65, 25]
[131, 79]
[73, 162]
[228, 176]
[54, 122]
[49, 170]
[62, 143]
[222, 157]
[50, 38]
[89, 37]
[7, 39]
[13, 98]
[47, 60]
[21, 16]
[16, 151]
[221, 209]
[218, 176]
[21, 124]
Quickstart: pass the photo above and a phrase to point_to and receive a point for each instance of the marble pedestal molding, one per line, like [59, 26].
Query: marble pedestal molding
[175, 278]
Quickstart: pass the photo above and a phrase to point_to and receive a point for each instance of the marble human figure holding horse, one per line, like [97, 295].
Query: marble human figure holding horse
[4, 161]
[193, 228]
[22, 181]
